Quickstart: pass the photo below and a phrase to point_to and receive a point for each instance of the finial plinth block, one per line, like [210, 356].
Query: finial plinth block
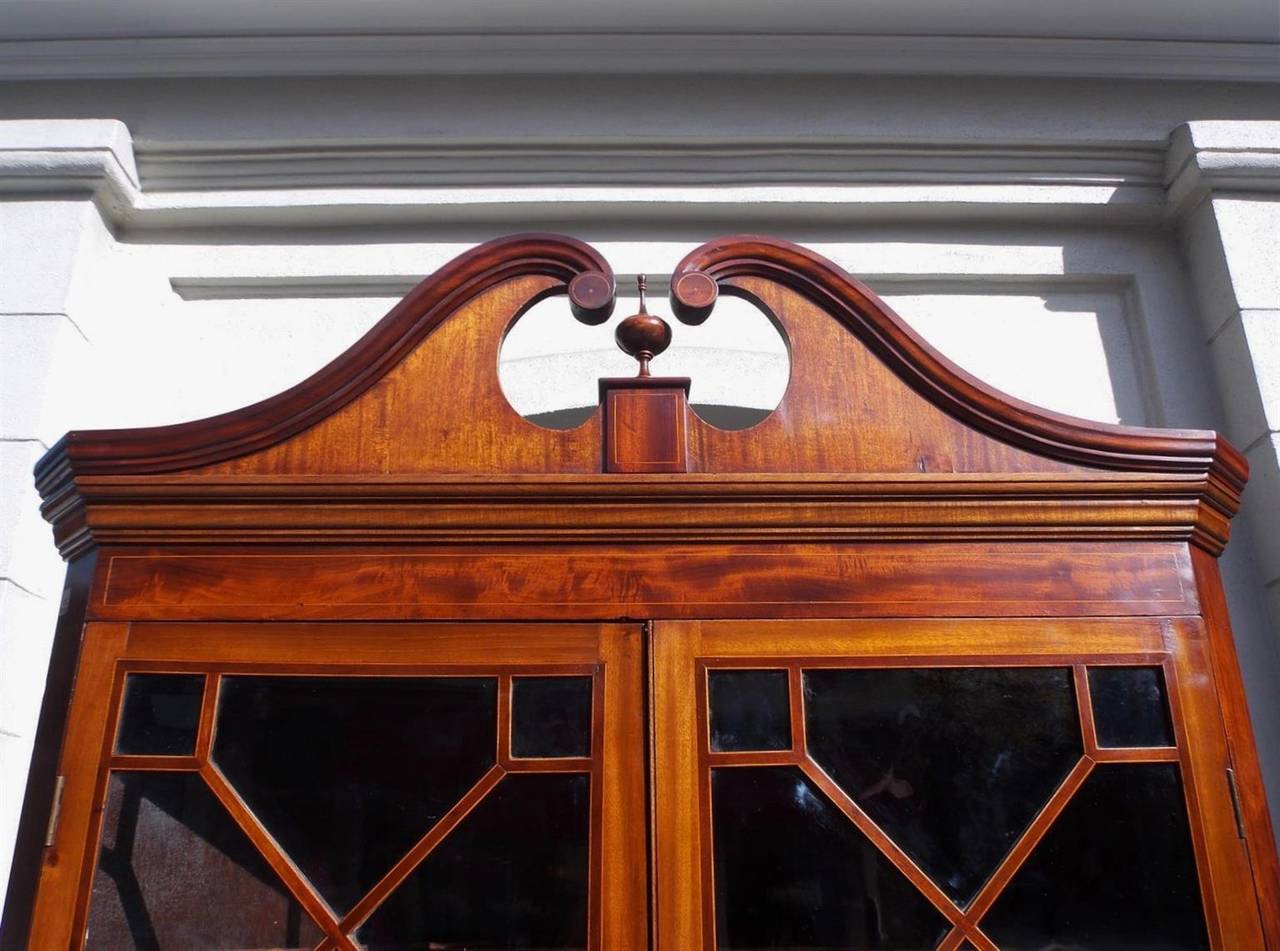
[646, 420]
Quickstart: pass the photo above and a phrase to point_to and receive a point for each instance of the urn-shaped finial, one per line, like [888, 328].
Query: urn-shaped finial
[643, 335]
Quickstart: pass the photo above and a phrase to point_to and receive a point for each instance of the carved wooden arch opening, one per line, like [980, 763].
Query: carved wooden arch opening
[376, 663]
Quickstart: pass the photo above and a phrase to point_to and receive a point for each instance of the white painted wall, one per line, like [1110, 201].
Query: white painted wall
[1072, 242]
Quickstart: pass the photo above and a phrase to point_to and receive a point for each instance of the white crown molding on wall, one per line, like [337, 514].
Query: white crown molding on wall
[1222, 157]
[638, 161]
[587, 53]
[344, 184]
[67, 154]
[347, 184]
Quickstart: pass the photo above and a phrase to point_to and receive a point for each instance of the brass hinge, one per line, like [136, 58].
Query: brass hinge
[55, 812]
[1235, 801]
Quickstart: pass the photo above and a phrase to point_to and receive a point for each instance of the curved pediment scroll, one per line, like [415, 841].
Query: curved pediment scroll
[561, 263]
[744, 264]
[885, 436]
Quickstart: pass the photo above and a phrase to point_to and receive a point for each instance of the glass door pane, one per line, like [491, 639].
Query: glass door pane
[856, 786]
[454, 794]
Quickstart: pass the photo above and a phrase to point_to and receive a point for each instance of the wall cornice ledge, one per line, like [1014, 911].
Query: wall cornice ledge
[555, 184]
[69, 158]
[763, 183]
[1222, 156]
[647, 161]
[591, 53]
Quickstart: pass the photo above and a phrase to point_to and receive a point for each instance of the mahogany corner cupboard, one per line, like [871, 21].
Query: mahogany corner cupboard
[380, 663]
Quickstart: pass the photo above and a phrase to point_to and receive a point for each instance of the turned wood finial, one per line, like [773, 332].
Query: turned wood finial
[643, 335]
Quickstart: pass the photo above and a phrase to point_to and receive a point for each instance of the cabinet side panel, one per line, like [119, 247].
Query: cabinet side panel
[1240, 741]
[42, 775]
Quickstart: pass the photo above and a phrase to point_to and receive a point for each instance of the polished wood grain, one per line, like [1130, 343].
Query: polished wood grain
[1200, 729]
[606, 581]
[855, 403]
[872, 421]
[459, 423]
[537, 263]
[43, 771]
[701, 507]
[66, 864]
[1228, 683]
[208, 713]
[643, 335]
[893, 510]
[745, 264]
[645, 421]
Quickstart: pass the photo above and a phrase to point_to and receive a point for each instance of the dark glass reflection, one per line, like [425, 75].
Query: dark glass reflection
[750, 710]
[512, 875]
[791, 871]
[160, 714]
[952, 763]
[1116, 870]
[347, 773]
[175, 872]
[551, 716]
[1130, 707]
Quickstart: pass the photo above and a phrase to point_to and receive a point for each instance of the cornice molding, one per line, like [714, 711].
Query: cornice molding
[91, 511]
[676, 161]
[82, 158]
[594, 53]
[1229, 157]
[759, 184]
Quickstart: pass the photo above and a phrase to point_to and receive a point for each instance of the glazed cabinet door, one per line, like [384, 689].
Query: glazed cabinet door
[342, 786]
[1010, 784]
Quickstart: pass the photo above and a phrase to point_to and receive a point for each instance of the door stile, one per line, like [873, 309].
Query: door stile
[65, 859]
[678, 849]
[1205, 758]
[1242, 749]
